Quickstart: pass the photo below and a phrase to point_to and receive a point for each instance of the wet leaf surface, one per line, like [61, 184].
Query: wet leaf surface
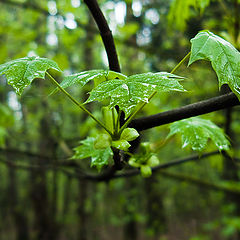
[225, 59]
[195, 132]
[21, 72]
[137, 88]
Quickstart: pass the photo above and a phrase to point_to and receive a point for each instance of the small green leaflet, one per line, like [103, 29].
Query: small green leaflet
[137, 88]
[83, 78]
[121, 144]
[224, 57]
[21, 72]
[145, 163]
[129, 134]
[99, 157]
[195, 132]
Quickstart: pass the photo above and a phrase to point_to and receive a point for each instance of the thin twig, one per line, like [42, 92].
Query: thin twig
[201, 182]
[130, 173]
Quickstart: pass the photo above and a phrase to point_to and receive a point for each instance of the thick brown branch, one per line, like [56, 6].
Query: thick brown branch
[106, 34]
[191, 110]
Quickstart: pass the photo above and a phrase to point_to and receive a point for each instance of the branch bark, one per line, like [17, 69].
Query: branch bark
[106, 34]
[191, 110]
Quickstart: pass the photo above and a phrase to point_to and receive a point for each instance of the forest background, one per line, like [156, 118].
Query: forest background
[44, 194]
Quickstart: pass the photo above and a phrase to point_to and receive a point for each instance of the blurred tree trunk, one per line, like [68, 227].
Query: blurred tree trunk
[230, 172]
[130, 228]
[44, 201]
[83, 185]
[45, 220]
[67, 196]
[89, 45]
[83, 224]
[156, 221]
[18, 213]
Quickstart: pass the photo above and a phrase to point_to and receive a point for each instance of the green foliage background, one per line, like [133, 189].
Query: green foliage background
[39, 201]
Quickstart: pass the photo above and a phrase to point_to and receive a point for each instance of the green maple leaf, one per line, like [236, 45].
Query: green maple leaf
[21, 72]
[83, 78]
[127, 93]
[195, 132]
[225, 59]
[99, 157]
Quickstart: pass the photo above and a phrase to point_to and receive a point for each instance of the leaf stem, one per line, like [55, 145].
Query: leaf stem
[180, 63]
[118, 120]
[135, 113]
[77, 103]
[114, 121]
[151, 96]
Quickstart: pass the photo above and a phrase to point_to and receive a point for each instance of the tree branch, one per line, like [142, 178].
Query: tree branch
[191, 110]
[202, 183]
[106, 34]
[109, 174]
[24, 153]
[105, 176]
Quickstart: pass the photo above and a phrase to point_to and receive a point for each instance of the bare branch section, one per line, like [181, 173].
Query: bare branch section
[109, 174]
[106, 34]
[105, 176]
[191, 110]
[201, 183]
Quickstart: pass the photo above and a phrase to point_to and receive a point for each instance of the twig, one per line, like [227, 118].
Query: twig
[58, 164]
[108, 175]
[24, 153]
[200, 182]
